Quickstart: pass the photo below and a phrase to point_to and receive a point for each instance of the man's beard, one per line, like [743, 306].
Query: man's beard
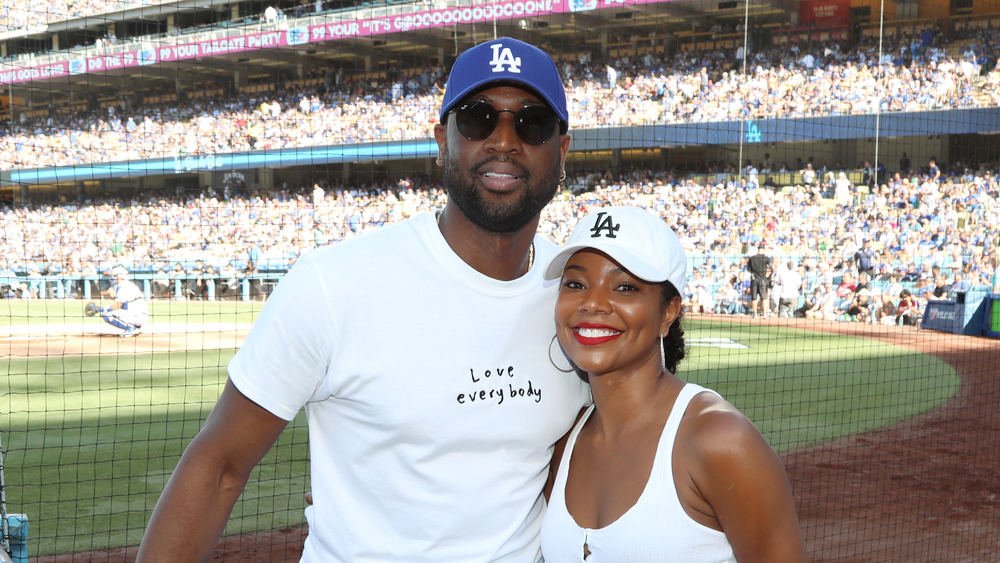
[499, 216]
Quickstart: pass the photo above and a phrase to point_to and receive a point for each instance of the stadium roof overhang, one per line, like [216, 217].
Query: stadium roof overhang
[952, 122]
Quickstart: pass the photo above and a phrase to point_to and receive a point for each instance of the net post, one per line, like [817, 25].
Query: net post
[17, 536]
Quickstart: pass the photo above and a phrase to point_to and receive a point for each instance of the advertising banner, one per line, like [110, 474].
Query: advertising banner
[825, 13]
[271, 39]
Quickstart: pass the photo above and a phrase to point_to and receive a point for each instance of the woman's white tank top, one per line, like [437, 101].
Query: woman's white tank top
[655, 530]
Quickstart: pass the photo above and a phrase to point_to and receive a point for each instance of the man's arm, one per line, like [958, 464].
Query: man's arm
[194, 508]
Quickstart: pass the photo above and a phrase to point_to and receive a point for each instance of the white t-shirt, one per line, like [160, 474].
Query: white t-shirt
[431, 400]
[790, 283]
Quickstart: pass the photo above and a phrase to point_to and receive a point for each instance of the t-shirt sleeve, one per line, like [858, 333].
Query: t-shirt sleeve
[285, 357]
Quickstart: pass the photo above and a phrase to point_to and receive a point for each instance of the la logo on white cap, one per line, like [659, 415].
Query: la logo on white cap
[502, 56]
[603, 222]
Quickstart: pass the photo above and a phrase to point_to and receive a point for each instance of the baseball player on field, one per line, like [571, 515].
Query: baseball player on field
[129, 310]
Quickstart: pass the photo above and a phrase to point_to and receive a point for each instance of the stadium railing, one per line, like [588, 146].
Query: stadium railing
[251, 286]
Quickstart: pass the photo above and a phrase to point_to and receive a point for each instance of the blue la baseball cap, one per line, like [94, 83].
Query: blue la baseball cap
[506, 60]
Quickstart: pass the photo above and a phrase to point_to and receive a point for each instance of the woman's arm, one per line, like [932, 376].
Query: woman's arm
[194, 508]
[743, 482]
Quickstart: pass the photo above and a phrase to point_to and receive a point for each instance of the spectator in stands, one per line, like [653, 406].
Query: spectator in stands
[940, 289]
[907, 312]
[160, 285]
[319, 343]
[823, 304]
[864, 282]
[995, 278]
[790, 282]
[728, 299]
[700, 300]
[861, 307]
[229, 282]
[808, 175]
[886, 312]
[864, 258]
[197, 285]
[179, 275]
[904, 165]
[253, 281]
[847, 286]
[959, 284]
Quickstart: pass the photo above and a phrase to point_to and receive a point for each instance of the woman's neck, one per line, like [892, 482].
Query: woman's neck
[624, 402]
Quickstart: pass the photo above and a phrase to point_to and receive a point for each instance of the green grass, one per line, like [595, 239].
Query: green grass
[57, 311]
[803, 387]
[91, 440]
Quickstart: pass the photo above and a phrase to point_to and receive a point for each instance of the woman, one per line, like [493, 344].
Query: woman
[656, 470]
[907, 312]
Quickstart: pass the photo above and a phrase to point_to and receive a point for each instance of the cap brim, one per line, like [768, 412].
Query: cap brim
[635, 265]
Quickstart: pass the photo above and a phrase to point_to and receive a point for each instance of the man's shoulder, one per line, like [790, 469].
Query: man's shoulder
[389, 238]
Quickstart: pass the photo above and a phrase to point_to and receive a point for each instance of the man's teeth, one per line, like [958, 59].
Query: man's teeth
[499, 175]
[597, 332]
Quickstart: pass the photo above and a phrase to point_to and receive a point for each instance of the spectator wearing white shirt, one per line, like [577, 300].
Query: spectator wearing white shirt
[790, 283]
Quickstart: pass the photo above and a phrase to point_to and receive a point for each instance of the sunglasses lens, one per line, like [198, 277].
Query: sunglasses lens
[534, 125]
[476, 121]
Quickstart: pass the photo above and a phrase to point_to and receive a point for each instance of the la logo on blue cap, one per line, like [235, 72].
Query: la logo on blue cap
[503, 56]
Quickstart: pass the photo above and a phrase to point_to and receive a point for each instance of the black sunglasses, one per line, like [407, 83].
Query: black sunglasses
[477, 120]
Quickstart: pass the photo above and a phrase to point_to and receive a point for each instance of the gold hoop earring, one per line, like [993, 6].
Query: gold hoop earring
[551, 361]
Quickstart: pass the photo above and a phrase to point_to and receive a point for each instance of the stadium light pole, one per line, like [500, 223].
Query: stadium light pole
[881, 88]
[743, 73]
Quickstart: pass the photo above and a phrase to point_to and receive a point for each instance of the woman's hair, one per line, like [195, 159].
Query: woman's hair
[673, 341]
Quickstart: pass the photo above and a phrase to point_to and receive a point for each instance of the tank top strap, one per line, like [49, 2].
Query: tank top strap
[662, 473]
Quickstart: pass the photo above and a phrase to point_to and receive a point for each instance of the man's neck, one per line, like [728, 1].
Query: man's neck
[502, 256]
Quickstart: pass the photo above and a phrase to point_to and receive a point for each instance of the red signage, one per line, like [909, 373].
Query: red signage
[825, 13]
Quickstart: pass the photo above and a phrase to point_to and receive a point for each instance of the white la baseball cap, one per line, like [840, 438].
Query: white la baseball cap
[635, 238]
[119, 272]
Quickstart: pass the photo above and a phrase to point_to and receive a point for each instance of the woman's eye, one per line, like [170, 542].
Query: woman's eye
[571, 284]
[628, 287]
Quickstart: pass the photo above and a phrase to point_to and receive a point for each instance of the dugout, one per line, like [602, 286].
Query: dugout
[966, 314]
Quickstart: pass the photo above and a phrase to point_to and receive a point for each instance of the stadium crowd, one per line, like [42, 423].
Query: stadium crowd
[925, 233]
[926, 230]
[17, 14]
[784, 81]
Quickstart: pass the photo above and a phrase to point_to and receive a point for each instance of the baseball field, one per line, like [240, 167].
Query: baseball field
[887, 432]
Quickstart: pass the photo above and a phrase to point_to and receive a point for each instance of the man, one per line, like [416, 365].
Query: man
[959, 285]
[808, 175]
[129, 310]
[421, 352]
[863, 259]
[196, 285]
[791, 286]
[759, 266]
[847, 286]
